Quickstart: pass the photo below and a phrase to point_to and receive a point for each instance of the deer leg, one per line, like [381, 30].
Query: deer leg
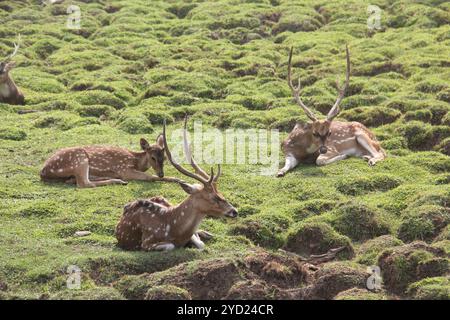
[290, 163]
[142, 176]
[82, 178]
[159, 246]
[323, 160]
[195, 240]
[73, 180]
[204, 235]
[374, 155]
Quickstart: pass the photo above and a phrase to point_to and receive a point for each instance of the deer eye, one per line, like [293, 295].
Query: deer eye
[315, 134]
[329, 133]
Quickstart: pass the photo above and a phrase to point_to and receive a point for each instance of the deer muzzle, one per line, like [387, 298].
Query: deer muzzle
[323, 149]
[232, 213]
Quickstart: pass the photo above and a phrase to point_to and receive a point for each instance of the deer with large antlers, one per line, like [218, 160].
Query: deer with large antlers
[95, 166]
[155, 224]
[9, 92]
[327, 141]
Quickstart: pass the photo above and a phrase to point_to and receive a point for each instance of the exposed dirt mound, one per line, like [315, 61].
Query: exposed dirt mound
[333, 278]
[211, 279]
[261, 273]
[317, 238]
[403, 265]
[253, 290]
[280, 270]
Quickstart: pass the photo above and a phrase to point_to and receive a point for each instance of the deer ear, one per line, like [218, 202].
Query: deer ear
[144, 144]
[188, 188]
[160, 141]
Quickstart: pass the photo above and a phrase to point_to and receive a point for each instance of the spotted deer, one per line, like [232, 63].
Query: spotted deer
[9, 92]
[95, 166]
[155, 224]
[327, 141]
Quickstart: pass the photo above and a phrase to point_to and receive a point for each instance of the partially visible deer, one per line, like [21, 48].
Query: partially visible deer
[155, 224]
[9, 92]
[95, 166]
[327, 141]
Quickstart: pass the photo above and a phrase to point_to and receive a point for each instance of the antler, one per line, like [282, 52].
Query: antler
[16, 49]
[334, 111]
[296, 90]
[200, 174]
[188, 154]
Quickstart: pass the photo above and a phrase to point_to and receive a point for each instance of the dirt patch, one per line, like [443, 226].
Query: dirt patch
[279, 270]
[262, 274]
[253, 290]
[333, 278]
[317, 238]
[403, 265]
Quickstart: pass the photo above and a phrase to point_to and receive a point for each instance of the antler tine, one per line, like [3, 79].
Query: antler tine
[16, 49]
[188, 154]
[334, 111]
[296, 90]
[219, 172]
[211, 179]
[176, 165]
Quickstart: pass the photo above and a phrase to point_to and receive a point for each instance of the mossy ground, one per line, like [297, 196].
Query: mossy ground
[224, 62]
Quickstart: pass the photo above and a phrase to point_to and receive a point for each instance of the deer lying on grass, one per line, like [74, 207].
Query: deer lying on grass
[328, 141]
[9, 92]
[95, 166]
[154, 224]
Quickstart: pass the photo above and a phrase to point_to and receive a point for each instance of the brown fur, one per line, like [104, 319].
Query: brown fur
[341, 139]
[154, 224]
[9, 92]
[145, 224]
[97, 165]
[327, 141]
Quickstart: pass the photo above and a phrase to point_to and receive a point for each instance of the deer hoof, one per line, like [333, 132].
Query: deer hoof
[371, 162]
[281, 174]
[124, 183]
[204, 235]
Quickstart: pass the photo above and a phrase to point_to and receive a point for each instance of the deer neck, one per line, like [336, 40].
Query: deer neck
[7, 87]
[312, 147]
[142, 161]
[186, 217]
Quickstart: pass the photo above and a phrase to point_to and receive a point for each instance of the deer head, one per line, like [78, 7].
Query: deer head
[320, 128]
[155, 154]
[7, 64]
[205, 196]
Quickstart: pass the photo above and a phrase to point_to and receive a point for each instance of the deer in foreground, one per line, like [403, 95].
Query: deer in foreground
[95, 166]
[9, 92]
[155, 224]
[327, 141]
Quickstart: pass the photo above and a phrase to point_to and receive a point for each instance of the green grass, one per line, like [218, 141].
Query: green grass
[133, 64]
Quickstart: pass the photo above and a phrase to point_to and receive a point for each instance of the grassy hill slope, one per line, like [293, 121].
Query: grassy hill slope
[135, 62]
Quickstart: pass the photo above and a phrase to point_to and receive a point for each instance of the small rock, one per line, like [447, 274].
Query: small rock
[82, 233]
